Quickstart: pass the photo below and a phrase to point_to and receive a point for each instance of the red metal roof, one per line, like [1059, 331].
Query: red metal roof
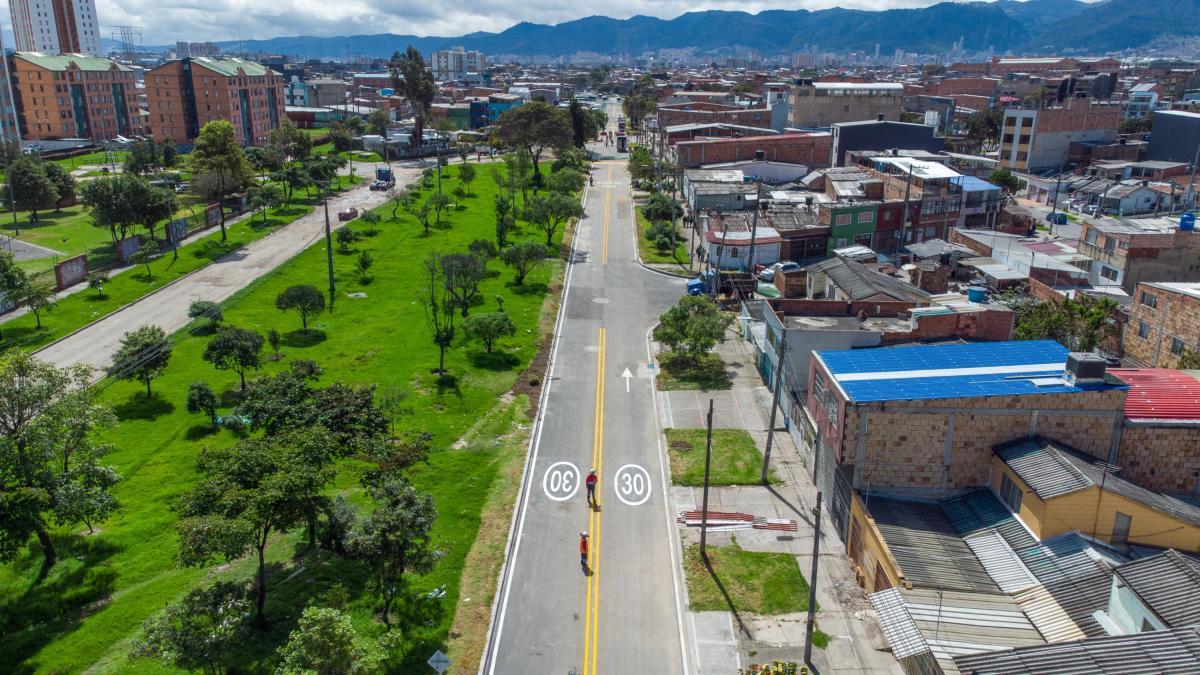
[1160, 394]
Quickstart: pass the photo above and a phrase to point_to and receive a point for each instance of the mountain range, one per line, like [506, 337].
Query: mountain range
[1029, 26]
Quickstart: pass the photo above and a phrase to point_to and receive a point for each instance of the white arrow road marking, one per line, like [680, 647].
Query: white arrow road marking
[627, 375]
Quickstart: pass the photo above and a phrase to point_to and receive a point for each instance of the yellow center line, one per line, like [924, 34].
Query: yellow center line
[604, 245]
[592, 604]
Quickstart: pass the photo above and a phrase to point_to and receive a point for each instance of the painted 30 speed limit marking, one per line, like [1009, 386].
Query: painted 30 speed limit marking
[561, 481]
[632, 483]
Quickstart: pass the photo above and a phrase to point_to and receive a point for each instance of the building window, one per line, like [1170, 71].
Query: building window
[1177, 346]
[1110, 244]
[1108, 273]
[1143, 330]
[866, 217]
[843, 219]
[1149, 299]
[1010, 493]
[1120, 531]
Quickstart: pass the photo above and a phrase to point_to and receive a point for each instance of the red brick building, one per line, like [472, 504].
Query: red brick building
[812, 149]
[712, 113]
[186, 94]
[74, 96]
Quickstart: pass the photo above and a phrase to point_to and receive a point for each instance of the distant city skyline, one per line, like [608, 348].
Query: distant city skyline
[229, 20]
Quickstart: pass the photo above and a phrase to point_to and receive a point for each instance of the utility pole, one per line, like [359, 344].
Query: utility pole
[1054, 204]
[704, 506]
[758, 157]
[329, 249]
[904, 218]
[779, 354]
[1191, 191]
[812, 584]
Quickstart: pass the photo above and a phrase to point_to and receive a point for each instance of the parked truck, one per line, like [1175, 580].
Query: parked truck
[384, 179]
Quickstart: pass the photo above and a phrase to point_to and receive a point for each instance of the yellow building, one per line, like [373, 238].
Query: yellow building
[1054, 489]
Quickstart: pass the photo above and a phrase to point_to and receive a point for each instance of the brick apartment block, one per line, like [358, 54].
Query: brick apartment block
[702, 113]
[1164, 321]
[75, 96]
[186, 94]
[812, 150]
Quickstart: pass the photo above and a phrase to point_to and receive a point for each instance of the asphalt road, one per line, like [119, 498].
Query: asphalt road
[95, 344]
[598, 412]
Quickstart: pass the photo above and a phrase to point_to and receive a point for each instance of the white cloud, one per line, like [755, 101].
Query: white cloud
[164, 21]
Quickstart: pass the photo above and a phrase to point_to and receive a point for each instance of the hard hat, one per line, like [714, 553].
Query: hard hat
[592, 471]
[583, 534]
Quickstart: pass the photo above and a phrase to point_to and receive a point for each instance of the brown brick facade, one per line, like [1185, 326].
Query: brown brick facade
[812, 150]
[1161, 322]
[1161, 456]
[184, 95]
[58, 99]
[691, 114]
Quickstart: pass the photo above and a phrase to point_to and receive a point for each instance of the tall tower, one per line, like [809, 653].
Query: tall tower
[56, 26]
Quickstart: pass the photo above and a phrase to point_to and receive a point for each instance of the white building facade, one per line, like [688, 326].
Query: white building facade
[56, 26]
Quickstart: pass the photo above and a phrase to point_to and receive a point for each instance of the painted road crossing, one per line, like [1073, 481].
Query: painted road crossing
[625, 617]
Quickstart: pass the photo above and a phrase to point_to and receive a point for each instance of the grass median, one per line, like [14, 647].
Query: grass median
[735, 458]
[85, 614]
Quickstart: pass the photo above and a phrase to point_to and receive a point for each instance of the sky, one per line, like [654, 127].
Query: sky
[165, 21]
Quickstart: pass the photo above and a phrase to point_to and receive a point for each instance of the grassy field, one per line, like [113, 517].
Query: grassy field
[735, 459]
[681, 373]
[652, 255]
[741, 581]
[93, 603]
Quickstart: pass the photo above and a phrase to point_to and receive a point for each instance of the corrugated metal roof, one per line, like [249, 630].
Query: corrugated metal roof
[898, 626]
[1000, 561]
[1160, 393]
[1162, 503]
[1169, 584]
[1175, 652]
[1051, 620]
[926, 546]
[1043, 469]
[954, 623]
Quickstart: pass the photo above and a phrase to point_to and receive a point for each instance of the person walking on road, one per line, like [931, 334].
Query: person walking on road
[583, 551]
[590, 483]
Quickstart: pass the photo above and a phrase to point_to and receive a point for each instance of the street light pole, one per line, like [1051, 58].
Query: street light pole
[704, 502]
[779, 354]
[758, 157]
[812, 584]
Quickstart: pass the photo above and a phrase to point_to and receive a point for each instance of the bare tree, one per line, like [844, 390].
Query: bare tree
[439, 302]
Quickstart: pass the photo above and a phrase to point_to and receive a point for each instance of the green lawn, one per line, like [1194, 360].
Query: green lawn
[653, 255]
[93, 603]
[743, 581]
[735, 459]
[69, 231]
[683, 373]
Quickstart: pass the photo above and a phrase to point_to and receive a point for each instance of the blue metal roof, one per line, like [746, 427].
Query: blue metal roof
[973, 184]
[951, 371]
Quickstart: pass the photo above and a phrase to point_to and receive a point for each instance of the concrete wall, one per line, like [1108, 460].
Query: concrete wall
[812, 110]
[1174, 138]
[873, 561]
[1161, 456]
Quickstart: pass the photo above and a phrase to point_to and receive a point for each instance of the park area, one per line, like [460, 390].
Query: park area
[459, 407]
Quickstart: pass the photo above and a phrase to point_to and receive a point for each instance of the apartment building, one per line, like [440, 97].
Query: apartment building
[456, 62]
[186, 94]
[821, 104]
[1039, 139]
[1128, 252]
[55, 26]
[1164, 322]
[74, 96]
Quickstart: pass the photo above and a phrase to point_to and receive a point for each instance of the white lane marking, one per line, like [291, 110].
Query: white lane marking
[561, 481]
[632, 484]
[672, 532]
[516, 529]
[627, 375]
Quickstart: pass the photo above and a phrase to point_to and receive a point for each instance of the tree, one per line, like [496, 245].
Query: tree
[143, 157]
[661, 207]
[437, 203]
[394, 539]
[692, 327]
[96, 281]
[38, 297]
[217, 151]
[341, 136]
[345, 238]
[579, 120]
[1189, 359]
[108, 200]
[438, 303]
[363, 266]
[143, 355]
[293, 177]
[259, 486]
[412, 80]
[167, 153]
[324, 643]
[534, 127]
[144, 255]
[379, 121]
[274, 339]
[263, 197]
[462, 273]
[292, 143]
[641, 163]
[304, 299]
[403, 199]
[983, 128]
[504, 220]
[64, 182]
[196, 633]
[662, 235]
[566, 181]
[422, 212]
[202, 399]
[1136, 125]
[466, 175]
[50, 462]
[552, 210]
[487, 328]
[206, 309]
[523, 257]
[29, 188]
[287, 400]
[371, 219]
[150, 204]
[236, 349]
[1005, 179]
[483, 249]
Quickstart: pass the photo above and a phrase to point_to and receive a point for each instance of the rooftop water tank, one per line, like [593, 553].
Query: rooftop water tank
[1187, 221]
[977, 293]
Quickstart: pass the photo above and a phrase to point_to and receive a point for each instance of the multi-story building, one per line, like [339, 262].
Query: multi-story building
[1035, 139]
[1128, 252]
[881, 135]
[186, 49]
[186, 94]
[74, 96]
[1164, 322]
[456, 62]
[56, 26]
[820, 104]
[1176, 136]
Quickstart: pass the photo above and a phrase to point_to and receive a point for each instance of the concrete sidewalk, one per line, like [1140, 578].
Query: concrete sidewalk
[845, 612]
